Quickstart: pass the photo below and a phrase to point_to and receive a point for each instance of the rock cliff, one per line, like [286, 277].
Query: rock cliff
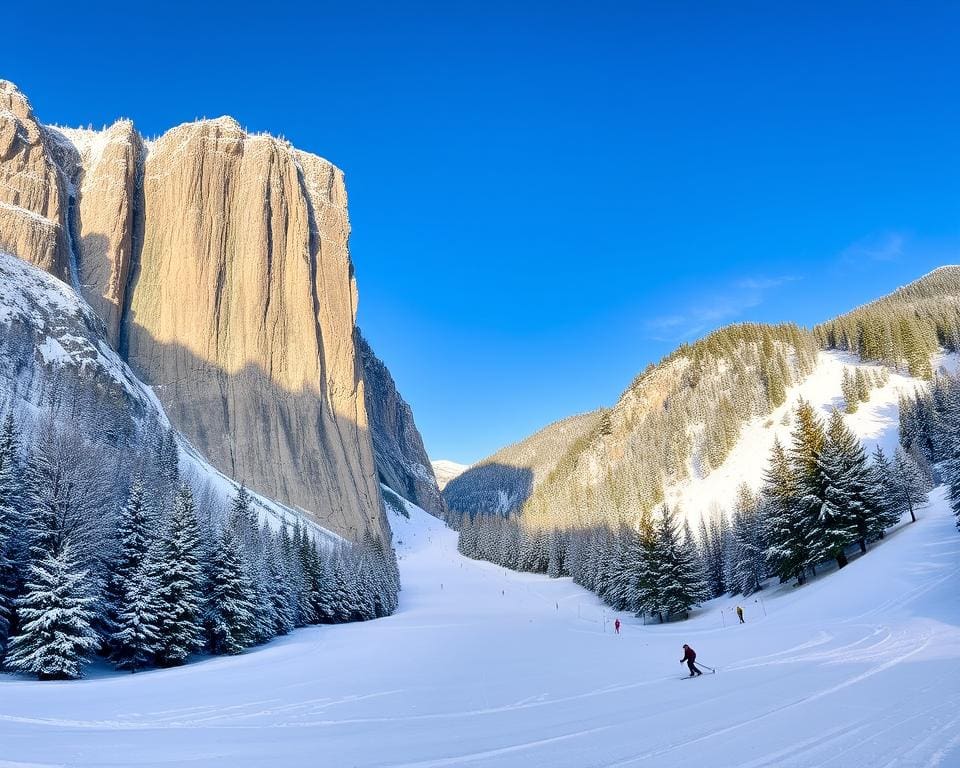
[402, 461]
[218, 263]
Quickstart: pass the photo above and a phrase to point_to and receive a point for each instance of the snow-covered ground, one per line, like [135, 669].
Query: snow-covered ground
[485, 667]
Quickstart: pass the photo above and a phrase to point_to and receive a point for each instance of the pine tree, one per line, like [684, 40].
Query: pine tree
[345, 598]
[11, 526]
[56, 637]
[643, 558]
[278, 584]
[885, 492]
[908, 486]
[133, 587]
[230, 614]
[680, 584]
[136, 635]
[179, 592]
[748, 551]
[787, 551]
[857, 489]
[825, 498]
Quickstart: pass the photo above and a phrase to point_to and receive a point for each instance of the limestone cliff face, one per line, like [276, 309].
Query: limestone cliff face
[33, 205]
[241, 313]
[102, 168]
[402, 461]
[218, 263]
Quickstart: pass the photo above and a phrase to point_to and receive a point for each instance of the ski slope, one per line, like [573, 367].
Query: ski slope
[486, 667]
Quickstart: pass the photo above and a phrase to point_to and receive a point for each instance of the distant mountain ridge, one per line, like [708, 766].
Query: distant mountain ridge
[680, 418]
[445, 471]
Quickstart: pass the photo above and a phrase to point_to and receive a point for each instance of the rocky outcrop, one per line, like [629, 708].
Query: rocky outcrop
[102, 167]
[218, 263]
[402, 461]
[241, 313]
[33, 203]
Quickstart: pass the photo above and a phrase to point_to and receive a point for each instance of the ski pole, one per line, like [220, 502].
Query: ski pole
[701, 664]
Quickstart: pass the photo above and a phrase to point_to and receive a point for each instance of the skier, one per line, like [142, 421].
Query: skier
[616, 626]
[690, 656]
[740, 614]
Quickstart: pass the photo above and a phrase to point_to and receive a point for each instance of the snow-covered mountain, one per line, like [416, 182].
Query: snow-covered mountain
[445, 471]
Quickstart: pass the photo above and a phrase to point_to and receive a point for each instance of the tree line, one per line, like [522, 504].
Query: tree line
[821, 497]
[162, 576]
[905, 328]
[930, 431]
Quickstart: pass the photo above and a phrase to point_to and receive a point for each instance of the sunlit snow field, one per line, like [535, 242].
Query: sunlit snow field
[486, 667]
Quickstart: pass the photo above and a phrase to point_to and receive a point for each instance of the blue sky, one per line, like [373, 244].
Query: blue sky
[547, 196]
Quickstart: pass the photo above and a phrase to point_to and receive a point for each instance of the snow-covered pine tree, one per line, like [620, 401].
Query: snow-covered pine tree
[245, 522]
[882, 475]
[908, 485]
[825, 498]
[748, 562]
[11, 527]
[857, 486]
[277, 583]
[56, 636]
[230, 613]
[346, 601]
[680, 584]
[643, 558]
[136, 631]
[862, 385]
[848, 386]
[555, 554]
[133, 587]
[323, 585]
[787, 549]
[180, 589]
[714, 543]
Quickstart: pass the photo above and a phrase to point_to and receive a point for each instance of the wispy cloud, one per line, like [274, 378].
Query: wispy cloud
[887, 246]
[715, 308]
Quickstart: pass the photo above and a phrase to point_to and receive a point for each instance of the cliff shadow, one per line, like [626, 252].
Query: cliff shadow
[291, 446]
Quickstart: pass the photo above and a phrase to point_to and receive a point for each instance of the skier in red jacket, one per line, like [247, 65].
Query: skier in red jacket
[690, 656]
[616, 626]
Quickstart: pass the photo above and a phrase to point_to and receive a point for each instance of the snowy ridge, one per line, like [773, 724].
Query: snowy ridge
[445, 471]
[49, 305]
[875, 422]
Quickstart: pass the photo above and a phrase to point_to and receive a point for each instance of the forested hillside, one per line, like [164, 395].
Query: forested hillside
[677, 419]
[600, 515]
[905, 328]
[503, 482]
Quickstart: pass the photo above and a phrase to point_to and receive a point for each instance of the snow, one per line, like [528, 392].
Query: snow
[486, 667]
[446, 470]
[875, 421]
